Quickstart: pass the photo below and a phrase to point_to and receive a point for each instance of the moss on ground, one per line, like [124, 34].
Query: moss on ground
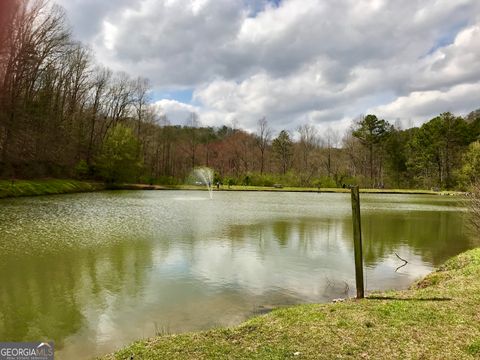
[437, 318]
[18, 188]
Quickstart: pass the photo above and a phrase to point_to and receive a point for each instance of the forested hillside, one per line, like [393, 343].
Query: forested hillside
[63, 115]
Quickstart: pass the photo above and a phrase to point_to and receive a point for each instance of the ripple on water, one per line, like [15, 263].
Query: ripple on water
[100, 270]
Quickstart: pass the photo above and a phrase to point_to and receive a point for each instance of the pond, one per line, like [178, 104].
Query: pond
[96, 271]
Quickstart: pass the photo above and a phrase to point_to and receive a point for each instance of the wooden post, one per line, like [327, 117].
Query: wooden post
[357, 241]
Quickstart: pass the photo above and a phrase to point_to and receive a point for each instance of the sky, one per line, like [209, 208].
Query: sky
[318, 62]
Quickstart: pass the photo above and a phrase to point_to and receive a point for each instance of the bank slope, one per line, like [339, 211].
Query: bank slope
[437, 318]
[45, 187]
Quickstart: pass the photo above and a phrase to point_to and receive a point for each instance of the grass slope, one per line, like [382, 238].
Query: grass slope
[45, 187]
[283, 189]
[336, 190]
[437, 318]
[56, 186]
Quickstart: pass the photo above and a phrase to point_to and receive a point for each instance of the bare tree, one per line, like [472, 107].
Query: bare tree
[263, 140]
[475, 207]
[31, 71]
[8, 11]
[308, 143]
[120, 98]
[192, 126]
[165, 149]
[330, 139]
[142, 111]
[99, 84]
[140, 100]
[357, 156]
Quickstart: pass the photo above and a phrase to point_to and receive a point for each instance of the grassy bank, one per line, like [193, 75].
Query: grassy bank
[337, 190]
[282, 189]
[45, 187]
[57, 186]
[437, 318]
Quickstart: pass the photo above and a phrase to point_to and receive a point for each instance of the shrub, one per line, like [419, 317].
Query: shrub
[118, 160]
[324, 182]
[82, 170]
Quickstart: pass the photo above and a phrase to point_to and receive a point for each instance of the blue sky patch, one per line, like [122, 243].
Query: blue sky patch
[257, 6]
[448, 37]
[184, 96]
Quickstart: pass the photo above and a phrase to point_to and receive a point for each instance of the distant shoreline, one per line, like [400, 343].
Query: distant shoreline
[283, 189]
[22, 188]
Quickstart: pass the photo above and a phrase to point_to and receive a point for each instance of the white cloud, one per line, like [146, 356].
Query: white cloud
[109, 35]
[419, 106]
[176, 111]
[453, 64]
[302, 61]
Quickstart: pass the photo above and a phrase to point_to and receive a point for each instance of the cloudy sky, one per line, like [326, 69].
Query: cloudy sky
[322, 62]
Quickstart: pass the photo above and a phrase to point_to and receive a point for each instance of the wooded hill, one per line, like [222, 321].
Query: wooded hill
[62, 115]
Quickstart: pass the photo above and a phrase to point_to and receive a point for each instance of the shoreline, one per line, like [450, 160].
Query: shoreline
[23, 188]
[288, 189]
[421, 322]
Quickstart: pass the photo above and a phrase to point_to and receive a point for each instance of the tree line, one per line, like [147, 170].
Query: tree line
[64, 115]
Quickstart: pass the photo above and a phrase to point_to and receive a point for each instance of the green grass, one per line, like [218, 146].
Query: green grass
[45, 187]
[59, 186]
[287, 189]
[437, 318]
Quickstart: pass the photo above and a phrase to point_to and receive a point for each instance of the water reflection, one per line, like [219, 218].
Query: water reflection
[96, 271]
[434, 235]
[45, 297]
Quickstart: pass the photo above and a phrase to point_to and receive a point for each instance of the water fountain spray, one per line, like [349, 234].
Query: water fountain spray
[205, 175]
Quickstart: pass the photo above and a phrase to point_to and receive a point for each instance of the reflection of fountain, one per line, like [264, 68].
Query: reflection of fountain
[205, 176]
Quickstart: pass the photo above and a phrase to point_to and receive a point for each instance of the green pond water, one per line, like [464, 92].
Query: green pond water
[96, 271]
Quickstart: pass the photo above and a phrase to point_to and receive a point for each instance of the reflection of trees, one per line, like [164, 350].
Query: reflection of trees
[281, 231]
[44, 297]
[303, 234]
[433, 235]
[239, 233]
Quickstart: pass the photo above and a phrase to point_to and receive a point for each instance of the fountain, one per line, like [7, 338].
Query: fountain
[204, 175]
